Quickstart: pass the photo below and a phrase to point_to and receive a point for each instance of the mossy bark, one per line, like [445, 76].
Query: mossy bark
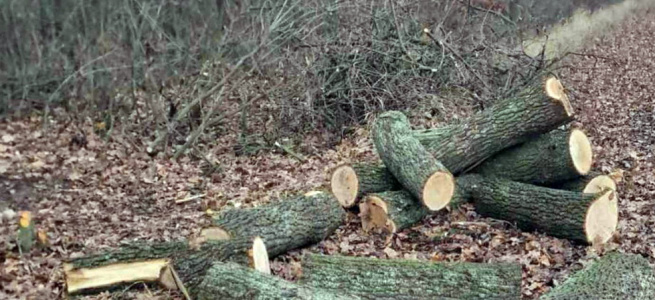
[190, 262]
[286, 224]
[372, 278]
[403, 155]
[558, 213]
[375, 178]
[542, 161]
[509, 122]
[232, 281]
[614, 276]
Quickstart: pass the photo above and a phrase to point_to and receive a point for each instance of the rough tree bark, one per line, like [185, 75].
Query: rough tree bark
[537, 109]
[553, 157]
[397, 210]
[232, 281]
[614, 276]
[173, 264]
[351, 182]
[372, 278]
[287, 224]
[587, 218]
[414, 167]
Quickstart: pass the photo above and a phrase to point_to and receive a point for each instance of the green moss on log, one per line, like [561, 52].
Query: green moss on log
[286, 224]
[553, 157]
[614, 276]
[414, 167]
[232, 281]
[587, 218]
[372, 278]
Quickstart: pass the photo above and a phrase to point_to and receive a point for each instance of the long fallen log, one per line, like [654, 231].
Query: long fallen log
[286, 224]
[537, 109]
[556, 156]
[614, 276]
[371, 278]
[587, 218]
[232, 281]
[414, 167]
[175, 265]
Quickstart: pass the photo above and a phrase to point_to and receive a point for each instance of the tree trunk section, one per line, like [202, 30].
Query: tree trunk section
[537, 109]
[286, 224]
[614, 276]
[372, 278]
[553, 157]
[587, 218]
[151, 262]
[351, 182]
[232, 281]
[396, 210]
[414, 167]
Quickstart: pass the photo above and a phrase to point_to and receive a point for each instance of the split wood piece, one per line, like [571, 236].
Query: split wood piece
[233, 281]
[371, 278]
[553, 157]
[286, 224]
[396, 210]
[614, 276]
[351, 182]
[587, 218]
[413, 166]
[537, 109]
[175, 265]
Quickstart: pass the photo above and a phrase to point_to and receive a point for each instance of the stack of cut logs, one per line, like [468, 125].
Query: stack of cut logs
[511, 162]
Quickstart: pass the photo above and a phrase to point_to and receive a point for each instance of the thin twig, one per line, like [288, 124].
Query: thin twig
[188, 199]
[290, 152]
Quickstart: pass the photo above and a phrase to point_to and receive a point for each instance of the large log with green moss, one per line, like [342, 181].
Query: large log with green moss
[233, 281]
[586, 218]
[174, 265]
[557, 156]
[537, 109]
[414, 167]
[371, 278]
[614, 276]
[286, 224]
[352, 182]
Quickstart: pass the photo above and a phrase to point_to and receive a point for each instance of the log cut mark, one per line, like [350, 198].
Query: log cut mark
[86, 278]
[580, 149]
[602, 218]
[345, 185]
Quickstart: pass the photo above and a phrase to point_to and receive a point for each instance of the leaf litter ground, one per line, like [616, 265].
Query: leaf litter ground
[96, 197]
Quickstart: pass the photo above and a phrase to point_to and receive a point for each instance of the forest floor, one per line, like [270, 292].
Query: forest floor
[95, 197]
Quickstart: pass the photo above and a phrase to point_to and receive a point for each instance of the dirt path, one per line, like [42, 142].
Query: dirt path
[95, 197]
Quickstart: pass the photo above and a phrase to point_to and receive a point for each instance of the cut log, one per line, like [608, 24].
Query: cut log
[173, 265]
[553, 157]
[614, 276]
[397, 210]
[587, 218]
[232, 281]
[286, 224]
[351, 182]
[537, 109]
[413, 166]
[372, 278]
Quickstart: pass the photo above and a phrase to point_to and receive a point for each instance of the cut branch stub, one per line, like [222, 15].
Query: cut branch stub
[413, 166]
[553, 157]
